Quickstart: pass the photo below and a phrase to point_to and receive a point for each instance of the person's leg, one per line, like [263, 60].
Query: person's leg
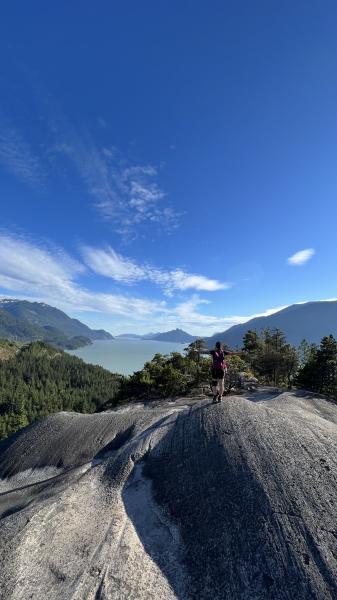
[215, 389]
[214, 385]
[221, 386]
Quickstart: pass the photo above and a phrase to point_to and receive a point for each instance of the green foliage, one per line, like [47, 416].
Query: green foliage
[38, 380]
[194, 354]
[271, 359]
[275, 362]
[235, 365]
[166, 376]
[8, 349]
[195, 349]
[251, 342]
[305, 352]
[319, 372]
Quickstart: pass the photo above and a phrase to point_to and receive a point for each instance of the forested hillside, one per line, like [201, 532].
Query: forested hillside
[38, 379]
[25, 321]
[13, 328]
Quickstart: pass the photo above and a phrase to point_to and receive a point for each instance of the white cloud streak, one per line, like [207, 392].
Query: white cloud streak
[301, 257]
[109, 263]
[50, 276]
[32, 272]
[127, 196]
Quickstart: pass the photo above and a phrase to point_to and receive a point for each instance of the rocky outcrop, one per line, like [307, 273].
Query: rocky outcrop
[182, 499]
[247, 382]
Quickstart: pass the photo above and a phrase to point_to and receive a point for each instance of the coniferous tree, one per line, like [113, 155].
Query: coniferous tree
[319, 372]
[251, 342]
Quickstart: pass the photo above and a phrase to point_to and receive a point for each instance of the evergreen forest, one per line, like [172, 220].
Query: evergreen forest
[37, 380]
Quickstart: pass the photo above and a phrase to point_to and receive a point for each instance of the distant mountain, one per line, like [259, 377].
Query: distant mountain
[175, 335]
[129, 336]
[151, 335]
[29, 321]
[311, 321]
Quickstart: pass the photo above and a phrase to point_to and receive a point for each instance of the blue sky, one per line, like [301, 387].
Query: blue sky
[163, 163]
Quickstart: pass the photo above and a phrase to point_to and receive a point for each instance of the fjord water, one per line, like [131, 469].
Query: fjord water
[124, 355]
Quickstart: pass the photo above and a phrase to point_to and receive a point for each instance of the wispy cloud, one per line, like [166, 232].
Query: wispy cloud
[18, 157]
[47, 274]
[126, 195]
[180, 280]
[135, 200]
[27, 267]
[109, 263]
[301, 257]
[35, 272]
[50, 275]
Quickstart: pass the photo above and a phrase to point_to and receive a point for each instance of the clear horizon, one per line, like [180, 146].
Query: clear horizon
[167, 166]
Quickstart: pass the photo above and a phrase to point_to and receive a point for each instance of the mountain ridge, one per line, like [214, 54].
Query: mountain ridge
[173, 335]
[308, 320]
[28, 321]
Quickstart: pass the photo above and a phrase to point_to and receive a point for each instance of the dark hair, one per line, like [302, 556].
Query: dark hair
[218, 345]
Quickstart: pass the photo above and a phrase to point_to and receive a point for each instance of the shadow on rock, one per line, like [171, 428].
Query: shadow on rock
[203, 516]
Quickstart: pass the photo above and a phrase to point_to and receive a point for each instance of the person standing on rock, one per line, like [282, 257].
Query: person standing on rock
[219, 369]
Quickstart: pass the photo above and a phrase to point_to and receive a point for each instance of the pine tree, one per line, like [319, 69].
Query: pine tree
[251, 342]
[319, 372]
[327, 365]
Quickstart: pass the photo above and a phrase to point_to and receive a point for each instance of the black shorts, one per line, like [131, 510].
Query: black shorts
[218, 374]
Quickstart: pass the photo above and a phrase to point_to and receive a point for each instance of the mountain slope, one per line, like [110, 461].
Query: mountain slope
[311, 321]
[41, 315]
[175, 335]
[21, 320]
[14, 328]
[189, 501]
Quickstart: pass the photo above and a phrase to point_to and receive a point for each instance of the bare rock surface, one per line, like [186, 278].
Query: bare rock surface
[178, 500]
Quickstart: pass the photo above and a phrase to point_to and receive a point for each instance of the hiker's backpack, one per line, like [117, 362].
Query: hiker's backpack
[219, 360]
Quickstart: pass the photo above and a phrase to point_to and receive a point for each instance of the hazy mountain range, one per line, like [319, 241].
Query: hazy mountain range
[310, 321]
[174, 335]
[21, 320]
[26, 321]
